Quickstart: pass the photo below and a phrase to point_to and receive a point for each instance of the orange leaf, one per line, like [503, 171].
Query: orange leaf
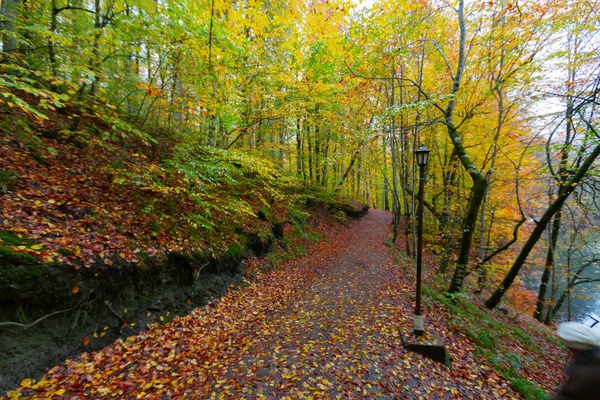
[86, 341]
[75, 290]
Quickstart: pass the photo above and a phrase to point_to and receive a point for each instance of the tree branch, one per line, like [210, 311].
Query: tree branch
[27, 326]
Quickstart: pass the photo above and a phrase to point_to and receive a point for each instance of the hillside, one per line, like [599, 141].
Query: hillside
[96, 236]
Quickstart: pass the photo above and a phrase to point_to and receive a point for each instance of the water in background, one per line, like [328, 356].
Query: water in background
[585, 299]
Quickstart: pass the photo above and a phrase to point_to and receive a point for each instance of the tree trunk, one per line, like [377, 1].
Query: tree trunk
[51, 49]
[468, 228]
[310, 153]
[325, 158]
[479, 183]
[554, 230]
[281, 154]
[488, 178]
[385, 194]
[9, 11]
[562, 178]
[540, 227]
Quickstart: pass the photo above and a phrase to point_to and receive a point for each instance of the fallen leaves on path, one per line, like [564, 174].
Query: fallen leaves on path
[325, 326]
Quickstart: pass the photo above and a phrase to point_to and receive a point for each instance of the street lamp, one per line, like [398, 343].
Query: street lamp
[422, 155]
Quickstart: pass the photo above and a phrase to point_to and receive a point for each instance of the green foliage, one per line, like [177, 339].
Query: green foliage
[23, 278]
[516, 361]
[341, 217]
[8, 181]
[121, 130]
[12, 239]
[16, 82]
[299, 216]
[529, 390]
[235, 251]
[9, 257]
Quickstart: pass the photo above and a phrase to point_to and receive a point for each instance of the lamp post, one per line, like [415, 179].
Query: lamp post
[422, 155]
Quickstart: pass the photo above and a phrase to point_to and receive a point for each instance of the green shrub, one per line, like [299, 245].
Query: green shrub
[341, 217]
[8, 181]
[528, 389]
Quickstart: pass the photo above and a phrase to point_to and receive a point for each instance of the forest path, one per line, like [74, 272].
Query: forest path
[326, 325]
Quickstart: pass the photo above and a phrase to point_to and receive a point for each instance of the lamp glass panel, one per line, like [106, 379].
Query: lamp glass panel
[422, 155]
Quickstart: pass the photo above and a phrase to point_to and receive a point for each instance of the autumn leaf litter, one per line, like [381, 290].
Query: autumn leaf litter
[326, 325]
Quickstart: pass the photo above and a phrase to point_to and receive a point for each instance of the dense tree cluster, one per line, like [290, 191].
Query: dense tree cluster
[338, 96]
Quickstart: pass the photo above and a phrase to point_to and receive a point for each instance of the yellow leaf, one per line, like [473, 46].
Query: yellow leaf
[25, 383]
[59, 392]
[37, 247]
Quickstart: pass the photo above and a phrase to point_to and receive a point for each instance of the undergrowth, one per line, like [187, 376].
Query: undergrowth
[494, 340]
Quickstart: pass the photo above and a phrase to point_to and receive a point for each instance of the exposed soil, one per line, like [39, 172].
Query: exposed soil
[33, 351]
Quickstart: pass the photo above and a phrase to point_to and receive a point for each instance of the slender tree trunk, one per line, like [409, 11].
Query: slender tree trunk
[318, 158]
[409, 212]
[349, 169]
[281, 154]
[479, 183]
[562, 178]
[488, 179]
[549, 265]
[325, 157]
[450, 183]
[298, 148]
[572, 281]
[385, 194]
[394, 142]
[309, 150]
[9, 11]
[51, 49]
[540, 227]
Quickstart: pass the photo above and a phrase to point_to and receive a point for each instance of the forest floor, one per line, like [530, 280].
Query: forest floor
[325, 325]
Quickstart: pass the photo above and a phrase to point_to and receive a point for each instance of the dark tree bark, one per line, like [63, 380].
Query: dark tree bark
[479, 183]
[9, 12]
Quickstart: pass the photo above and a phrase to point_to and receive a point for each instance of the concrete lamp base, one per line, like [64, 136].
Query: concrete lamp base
[429, 344]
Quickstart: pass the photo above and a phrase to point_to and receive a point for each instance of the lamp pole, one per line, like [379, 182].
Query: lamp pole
[422, 155]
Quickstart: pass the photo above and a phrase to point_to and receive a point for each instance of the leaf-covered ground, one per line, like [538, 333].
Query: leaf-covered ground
[326, 325]
[85, 201]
